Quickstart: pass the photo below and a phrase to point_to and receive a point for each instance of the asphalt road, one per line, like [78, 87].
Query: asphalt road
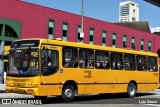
[150, 99]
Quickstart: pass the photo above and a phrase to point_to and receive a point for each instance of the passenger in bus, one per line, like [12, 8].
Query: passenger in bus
[127, 65]
[73, 63]
[154, 68]
[106, 64]
[114, 65]
[101, 65]
[49, 61]
[66, 64]
[150, 68]
[89, 65]
[42, 60]
[119, 65]
[81, 64]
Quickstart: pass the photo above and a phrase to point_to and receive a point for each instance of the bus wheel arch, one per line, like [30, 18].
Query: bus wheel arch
[69, 90]
[132, 89]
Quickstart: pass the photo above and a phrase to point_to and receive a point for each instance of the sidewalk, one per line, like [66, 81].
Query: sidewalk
[2, 88]
[3, 93]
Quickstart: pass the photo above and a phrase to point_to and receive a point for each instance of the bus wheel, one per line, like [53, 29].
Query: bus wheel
[68, 93]
[131, 91]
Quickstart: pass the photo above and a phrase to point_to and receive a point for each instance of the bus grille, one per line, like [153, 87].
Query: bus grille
[19, 84]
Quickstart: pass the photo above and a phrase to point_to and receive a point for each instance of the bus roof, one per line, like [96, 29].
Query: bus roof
[89, 46]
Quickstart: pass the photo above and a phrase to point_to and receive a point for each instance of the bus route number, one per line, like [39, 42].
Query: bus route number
[87, 74]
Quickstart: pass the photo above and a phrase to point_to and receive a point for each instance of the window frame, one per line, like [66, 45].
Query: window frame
[53, 32]
[124, 36]
[90, 29]
[149, 47]
[65, 23]
[142, 40]
[114, 34]
[104, 31]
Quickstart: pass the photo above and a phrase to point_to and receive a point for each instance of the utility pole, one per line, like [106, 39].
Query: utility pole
[82, 23]
[1, 60]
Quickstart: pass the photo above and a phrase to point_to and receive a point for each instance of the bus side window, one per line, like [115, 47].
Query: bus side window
[86, 58]
[70, 58]
[102, 59]
[116, 60]
[152, 64]
[141, 63]
[129, 62]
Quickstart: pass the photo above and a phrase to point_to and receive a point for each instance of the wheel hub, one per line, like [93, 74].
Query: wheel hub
[68, 93]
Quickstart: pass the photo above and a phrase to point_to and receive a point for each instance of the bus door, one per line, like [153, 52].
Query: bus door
[49, 68]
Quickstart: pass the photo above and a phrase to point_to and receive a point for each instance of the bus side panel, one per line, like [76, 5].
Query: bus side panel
[152, 86]
[52, 90]
[118, 88]
[142, 87]
[97, 88]
[81, 89]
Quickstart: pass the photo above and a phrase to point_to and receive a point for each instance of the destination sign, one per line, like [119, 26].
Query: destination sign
[25, 43]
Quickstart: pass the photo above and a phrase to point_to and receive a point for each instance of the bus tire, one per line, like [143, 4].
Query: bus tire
[68, 93]
[131, 90]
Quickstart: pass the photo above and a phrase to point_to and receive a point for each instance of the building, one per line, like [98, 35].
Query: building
[22, 20]
[129, 11]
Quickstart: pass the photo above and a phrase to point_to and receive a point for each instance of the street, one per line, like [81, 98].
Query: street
[148, 99]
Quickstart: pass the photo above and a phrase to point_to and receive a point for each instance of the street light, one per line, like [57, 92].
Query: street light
[82, 33]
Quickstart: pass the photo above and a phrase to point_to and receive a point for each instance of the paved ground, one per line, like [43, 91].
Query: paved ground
[3, 93]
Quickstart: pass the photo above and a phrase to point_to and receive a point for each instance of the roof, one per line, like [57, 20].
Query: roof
[139, 25]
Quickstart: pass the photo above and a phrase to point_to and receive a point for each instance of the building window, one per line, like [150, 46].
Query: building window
[91, 36]
[149, 46]
[10, 32]
[65, 31]
[124, 44]
[142, 44]
[113, 39]
[50, 29]
[78, 33]
[133, 43]
[104, 36]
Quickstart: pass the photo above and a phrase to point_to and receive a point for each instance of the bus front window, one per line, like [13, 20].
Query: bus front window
[23, 62]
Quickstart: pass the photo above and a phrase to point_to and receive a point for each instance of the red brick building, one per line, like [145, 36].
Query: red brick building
[19, 20]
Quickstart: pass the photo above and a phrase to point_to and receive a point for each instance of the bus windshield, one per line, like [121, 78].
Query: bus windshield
[23, 62]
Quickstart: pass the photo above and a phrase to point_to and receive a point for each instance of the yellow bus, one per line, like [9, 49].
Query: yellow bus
[44, 67]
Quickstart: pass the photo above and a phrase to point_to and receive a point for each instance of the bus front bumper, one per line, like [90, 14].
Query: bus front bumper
[19, 90]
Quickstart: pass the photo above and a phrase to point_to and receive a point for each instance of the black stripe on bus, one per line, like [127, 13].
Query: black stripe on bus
[95, 83]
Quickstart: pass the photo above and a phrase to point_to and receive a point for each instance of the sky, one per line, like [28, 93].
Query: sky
[106, 10]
